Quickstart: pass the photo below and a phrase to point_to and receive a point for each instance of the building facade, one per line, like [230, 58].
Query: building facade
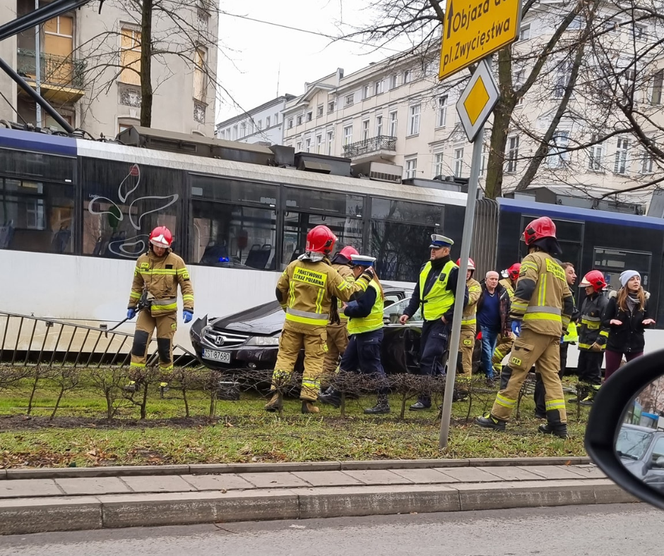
[90, 68]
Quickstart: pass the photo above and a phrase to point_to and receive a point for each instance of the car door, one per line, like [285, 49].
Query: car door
[401, 343]
[655, 465]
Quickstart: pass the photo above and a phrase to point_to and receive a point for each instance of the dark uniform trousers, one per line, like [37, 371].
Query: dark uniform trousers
[433, 347]
[363, 354]
[589, 367]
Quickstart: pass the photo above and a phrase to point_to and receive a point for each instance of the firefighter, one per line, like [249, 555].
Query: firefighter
[337, 332]
[506, 340]
[541, 310]
[434, 294]
[305, 291]
[366, 336]
[592, 336]
[157, 275]
[469, 321]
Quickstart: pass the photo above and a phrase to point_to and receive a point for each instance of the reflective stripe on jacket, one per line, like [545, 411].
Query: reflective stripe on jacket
[347, 274]
[438, 299]
[374, 320]
[469, 317]
[591, 329]
[162, 276]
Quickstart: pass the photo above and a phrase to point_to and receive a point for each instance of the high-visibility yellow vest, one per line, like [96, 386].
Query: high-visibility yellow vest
[572, 333]
[439, 299]
[374, 320]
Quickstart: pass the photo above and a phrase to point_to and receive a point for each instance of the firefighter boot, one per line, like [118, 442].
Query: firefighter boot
[382, 406]
[309, 407]
[276, 403]
[332, 397]
[590, 398]
[554, 426]
[488, 421]
[582, 391]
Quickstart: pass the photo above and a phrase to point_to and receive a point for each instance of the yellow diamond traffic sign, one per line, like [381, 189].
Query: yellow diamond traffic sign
[477, 100]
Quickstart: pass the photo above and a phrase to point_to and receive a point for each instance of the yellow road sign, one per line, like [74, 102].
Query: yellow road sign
[474, 29]
[477, 100]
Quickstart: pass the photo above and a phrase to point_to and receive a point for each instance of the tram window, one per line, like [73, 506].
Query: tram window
[36, 216]
[400, 249]
[324, 202]
[234, 236]
[403, 211]
[298, 224]
[613, 261]
[233, 191]
[37, 166]
[123, 202]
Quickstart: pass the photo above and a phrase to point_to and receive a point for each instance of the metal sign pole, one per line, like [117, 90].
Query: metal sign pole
[466, 240]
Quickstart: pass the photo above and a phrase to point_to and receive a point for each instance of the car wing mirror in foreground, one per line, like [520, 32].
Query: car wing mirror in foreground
[625, 434]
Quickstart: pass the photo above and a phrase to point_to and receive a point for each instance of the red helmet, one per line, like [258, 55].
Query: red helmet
[348, 251]
[161, 236]
[321, 240]
[513, 271]
[539, 229]
[594, 278]
[471, 263]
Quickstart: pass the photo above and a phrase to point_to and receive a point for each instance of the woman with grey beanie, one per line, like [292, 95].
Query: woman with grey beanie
[627, 316]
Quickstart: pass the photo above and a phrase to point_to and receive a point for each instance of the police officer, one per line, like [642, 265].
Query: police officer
[366, 336]
[506, 341]
[337, 332]
[157, 275]
[593, 334]
[469, 320]
[434, 294]
[305, 290]
[541, 310]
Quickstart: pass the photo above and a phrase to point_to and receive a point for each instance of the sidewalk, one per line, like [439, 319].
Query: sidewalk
[40, 500]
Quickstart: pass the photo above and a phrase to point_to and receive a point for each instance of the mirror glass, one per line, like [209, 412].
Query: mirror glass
[640, 440]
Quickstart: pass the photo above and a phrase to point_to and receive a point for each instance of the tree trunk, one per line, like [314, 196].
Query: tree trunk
[146, 63]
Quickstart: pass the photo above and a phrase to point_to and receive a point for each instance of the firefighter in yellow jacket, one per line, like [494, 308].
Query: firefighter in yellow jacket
[541, 310]
[505, 345]
[157, 275]
[305, 291]
[469, 320]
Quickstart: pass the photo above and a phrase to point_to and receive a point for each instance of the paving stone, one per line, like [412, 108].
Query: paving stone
[586, 471]
[551, 471]
[114, 471]
[511, 473]
[378, 477]
[403, 464]
[274, 480]
[327, 478]
[288, 467]
[92, 485]
[22, 488]
[165, 483]
[225, 481]
[423, 476]
[39, 515]
[470, 475]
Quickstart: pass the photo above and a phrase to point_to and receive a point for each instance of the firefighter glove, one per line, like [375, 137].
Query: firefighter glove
[596, 347]
[131, 313]
[187, 316]
[516, 328]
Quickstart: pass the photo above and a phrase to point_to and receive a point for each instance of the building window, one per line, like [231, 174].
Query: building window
[330, 140]
[512, 154]
[307, 144]
[656, 93]
[379, 87]
[458, 162]
[299, 120]
[437, 164]
[411, 168]
[319, 110]
[563, 73]
[348, 135]
[646, 162]
[622, 149]
[365, 130]
[442, 111]
[310, 116]
[259, 125]
[485, 153]
[243, 130]
[393, 124]
[379, 125]
[407, 76]
[595, 155]
[524, 33]
[267, 122]
[330, 107]
[558, 155]
[319, 144]
[367, 91]
[350, 99]
[298, 147]
[234, 133]
[394, 81]
[414, 120]
[290, 123]
[130, 56]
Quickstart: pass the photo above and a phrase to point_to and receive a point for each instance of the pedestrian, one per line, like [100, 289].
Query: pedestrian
[435, 294]
[337, 331]
[592, 337]
[305, 290]
[493, 317]
[154, 292]
[366, 336]
[469, 321]
[571, 337]
[541, 309]
[506, 339]
[627, 316]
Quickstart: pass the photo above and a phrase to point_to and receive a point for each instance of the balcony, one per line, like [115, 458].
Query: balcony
[61, 78]
[380, 147]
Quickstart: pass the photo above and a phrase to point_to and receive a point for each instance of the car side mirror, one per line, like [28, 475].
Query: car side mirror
[624, 426]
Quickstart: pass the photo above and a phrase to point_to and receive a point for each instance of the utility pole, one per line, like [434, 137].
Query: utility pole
[38, 116]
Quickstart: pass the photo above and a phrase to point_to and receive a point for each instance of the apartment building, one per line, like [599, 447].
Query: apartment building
[89, 68]
[263, 124]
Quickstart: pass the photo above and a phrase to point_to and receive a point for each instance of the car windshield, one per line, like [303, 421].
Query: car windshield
[398, 308]
[632, 443]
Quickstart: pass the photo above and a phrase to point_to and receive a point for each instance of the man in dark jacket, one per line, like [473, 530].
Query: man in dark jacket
[434, 293]
[493, 310]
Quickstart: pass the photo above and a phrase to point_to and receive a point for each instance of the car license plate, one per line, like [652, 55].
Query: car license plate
[214, 355]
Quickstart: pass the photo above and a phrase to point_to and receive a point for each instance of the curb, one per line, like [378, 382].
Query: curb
[213, 468]
[24, 516]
